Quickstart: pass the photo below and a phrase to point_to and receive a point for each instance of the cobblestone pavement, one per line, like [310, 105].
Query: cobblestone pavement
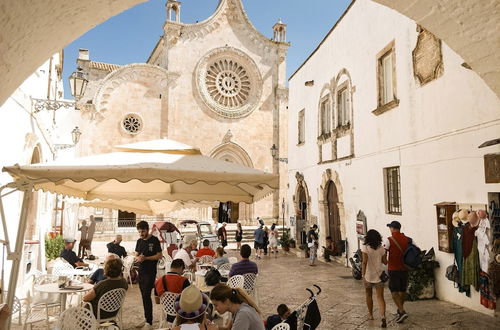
[342, 301]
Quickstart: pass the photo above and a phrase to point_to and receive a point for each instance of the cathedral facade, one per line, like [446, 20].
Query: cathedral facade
[218, 84]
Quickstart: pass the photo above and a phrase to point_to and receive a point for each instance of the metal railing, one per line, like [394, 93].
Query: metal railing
[122, 225]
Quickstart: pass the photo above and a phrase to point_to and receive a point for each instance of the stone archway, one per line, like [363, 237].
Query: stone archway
[331, 189]
[302, 204]
[233, 153]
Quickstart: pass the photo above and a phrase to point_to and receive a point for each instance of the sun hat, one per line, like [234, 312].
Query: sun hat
[394, 224]
[191, 303]
[473, 219]
[463, 214]
[69, 240]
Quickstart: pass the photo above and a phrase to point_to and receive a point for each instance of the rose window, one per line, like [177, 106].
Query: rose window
[132, 123]
[229, 82]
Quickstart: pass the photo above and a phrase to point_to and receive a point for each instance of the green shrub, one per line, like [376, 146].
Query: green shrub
[53, 246]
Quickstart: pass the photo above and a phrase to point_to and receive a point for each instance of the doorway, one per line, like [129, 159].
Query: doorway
[332, 211]
[226, 212]
[126, 219]
[302, 215]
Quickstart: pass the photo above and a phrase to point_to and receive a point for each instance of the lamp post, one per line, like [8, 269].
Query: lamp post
[78, 83]
[274, 153]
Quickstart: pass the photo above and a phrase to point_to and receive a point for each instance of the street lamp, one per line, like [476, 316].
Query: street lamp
[274, 153]
[78, 83]
[75, 136]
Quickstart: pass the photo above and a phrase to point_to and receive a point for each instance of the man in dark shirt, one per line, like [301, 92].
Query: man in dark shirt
[147, 253]
[69, 255]
[273, 320]
[116, 248]
[244, 266]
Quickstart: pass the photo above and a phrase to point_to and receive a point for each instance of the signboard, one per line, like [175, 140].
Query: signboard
[361, 228]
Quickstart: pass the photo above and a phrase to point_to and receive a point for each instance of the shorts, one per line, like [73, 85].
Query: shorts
[398, 280]
[369, 285]
[258, 246]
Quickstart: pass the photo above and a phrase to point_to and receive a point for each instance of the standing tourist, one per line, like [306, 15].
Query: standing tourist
[312, 244]
[266, 240]
[147, 254]
[246, 314]
[222, 234]
[258, 241]
[83, 239]
[273, 240]
[374, 258]
[90, 235]
[239, 235]
[396, 244]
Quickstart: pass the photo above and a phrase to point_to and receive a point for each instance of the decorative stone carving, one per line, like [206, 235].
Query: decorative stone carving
[132, 72]
[229, 82]
[427, 57]
[227, 138]
[300, 177]
[132, 123]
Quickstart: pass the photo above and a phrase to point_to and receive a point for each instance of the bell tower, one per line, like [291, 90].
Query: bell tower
[173, 11]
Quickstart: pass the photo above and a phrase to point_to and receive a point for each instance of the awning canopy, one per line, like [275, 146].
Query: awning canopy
[159, 170]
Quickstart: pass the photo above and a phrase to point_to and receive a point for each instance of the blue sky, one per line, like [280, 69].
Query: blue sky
[131, 36]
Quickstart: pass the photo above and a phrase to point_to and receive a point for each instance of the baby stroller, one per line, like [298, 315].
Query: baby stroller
[307, 316]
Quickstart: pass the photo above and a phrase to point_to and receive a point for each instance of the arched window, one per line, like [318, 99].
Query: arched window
[343, 102]
[325, 114]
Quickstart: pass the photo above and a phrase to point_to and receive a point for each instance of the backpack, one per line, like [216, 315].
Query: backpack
[412, 257]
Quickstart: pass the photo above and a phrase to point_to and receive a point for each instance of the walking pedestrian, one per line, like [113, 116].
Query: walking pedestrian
[273, 240]
[222, 234]
[312, 244]
[266, 240]
[147, 253]
[396, 244]
[239, 235]
[258, 241]
[374, 258]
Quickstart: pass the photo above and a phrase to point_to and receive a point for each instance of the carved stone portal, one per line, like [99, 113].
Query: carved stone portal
[427, 57]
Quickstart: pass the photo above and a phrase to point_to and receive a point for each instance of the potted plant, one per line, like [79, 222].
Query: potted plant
[284, 240]
[304, 248]
[292, 243]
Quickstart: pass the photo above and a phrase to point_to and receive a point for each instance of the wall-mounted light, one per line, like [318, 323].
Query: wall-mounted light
[274, 153]
[75, 136]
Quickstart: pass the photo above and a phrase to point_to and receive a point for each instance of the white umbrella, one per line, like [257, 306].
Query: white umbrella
[159, 170]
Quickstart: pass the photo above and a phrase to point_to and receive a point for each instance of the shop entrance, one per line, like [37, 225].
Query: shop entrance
[332, 211]
[301, 215]
[226, 212]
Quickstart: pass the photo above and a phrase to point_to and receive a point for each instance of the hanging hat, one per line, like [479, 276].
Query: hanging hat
[463, 214]
[473, 219]
[456, 221]
[482, 214]
[191, 303]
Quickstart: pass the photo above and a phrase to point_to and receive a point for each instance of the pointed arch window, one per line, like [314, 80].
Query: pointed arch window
[325, 116]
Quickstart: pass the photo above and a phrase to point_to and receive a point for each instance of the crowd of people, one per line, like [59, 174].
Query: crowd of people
[192, 303]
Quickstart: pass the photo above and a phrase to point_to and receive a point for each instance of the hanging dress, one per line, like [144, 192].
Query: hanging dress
[470, 271]
[458, 236]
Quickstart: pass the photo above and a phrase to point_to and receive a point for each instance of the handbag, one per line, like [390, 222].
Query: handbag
[452, 273]
[384, 277]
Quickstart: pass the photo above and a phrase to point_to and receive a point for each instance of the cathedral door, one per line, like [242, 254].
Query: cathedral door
[332, 212]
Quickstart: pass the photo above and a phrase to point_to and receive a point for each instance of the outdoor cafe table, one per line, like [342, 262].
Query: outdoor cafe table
[200, 277]
[54, 288]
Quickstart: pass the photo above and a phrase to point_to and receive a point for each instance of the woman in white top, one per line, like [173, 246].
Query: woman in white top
[191, 308]
[374, 258]
[273, 240]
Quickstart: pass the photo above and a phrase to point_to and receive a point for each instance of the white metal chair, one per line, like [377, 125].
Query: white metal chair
[236, 281]
[128, 263]
[187, 274]
[206, 259]
[61, 268]
[77, 318]
[233, 260]
[250, 284]
[281, 326]
[167, 303]
[166, 256]
[224, 267]
[110, 302]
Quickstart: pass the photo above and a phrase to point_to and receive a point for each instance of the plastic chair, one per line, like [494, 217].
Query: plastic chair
[236, 281]
[128, 263]
[167, 303]
[61, 268]
[188, 275]
[206, 259]
[281, 326]
[111, 301]
[225, 267]
[250, 284]
[77, 318]
[233, 260]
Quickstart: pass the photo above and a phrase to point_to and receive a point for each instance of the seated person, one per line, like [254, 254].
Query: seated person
[98, 275]
[112, 271]
[186, 256]
[172, 281]
[191, 307]
[206, 250]
[69, 255]
[273, 320]
[244, 266]
[221, 258]
[330, 249]
[116, 248]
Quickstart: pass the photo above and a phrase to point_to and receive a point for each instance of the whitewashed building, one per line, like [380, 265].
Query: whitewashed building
[386, 119]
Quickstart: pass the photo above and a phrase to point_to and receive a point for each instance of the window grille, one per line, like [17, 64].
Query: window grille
[393, 190]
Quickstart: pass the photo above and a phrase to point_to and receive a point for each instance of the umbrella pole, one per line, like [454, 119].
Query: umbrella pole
[16, 255]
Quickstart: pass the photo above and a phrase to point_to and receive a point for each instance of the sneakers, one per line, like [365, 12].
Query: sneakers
[401, 317]
[384, 323]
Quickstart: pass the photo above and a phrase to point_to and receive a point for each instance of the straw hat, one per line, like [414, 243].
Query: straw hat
[191, 303]
[463, 214]
[456, 221]
[473, 219]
